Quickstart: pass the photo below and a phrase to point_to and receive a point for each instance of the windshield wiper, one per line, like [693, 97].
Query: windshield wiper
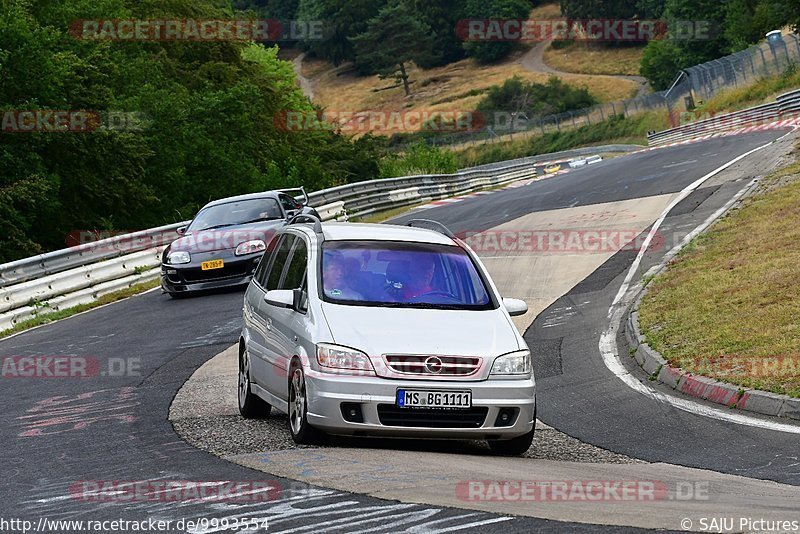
[218, 226]
[259, 220]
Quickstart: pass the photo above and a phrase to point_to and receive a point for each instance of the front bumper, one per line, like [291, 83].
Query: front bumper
[189, 277]
[375, 399]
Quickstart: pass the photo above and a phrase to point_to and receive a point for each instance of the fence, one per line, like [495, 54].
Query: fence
[783, 112]
[691, 86]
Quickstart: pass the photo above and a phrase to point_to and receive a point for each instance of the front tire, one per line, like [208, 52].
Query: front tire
[251, 406]
[513, 447]
[302, 432]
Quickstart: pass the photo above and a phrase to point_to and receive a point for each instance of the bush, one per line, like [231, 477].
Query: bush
[420, 158]
[536, 99]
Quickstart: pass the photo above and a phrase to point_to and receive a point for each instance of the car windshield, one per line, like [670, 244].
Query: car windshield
[235, 213]
[397, 274]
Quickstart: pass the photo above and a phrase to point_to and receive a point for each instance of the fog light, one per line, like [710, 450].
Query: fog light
[351, 412]
[506, 417]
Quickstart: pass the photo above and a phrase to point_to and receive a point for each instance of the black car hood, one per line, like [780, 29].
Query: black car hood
[226, 238]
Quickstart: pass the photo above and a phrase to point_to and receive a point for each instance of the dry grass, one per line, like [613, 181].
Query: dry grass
[458, 86]
[546, 11]
[727, 307]
[590, 58]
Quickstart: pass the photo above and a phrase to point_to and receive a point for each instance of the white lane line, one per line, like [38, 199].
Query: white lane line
[608, 339]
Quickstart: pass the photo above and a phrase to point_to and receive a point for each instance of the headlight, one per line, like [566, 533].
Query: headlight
[515, 363]
[176, 258]
[249, 247]
[343, 358]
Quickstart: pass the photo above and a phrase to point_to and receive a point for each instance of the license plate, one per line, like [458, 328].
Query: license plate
[213, 264]
[423, 398]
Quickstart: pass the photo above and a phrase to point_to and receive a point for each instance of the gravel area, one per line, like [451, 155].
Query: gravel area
[227, 435]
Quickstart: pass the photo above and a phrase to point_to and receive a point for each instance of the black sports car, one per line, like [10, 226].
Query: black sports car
[223, 244]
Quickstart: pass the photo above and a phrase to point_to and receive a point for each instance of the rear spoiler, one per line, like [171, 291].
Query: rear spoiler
[302, 190]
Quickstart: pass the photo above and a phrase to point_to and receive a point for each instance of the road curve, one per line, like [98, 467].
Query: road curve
[56, 432]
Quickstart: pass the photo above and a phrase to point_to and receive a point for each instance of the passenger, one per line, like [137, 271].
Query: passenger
[334, 278]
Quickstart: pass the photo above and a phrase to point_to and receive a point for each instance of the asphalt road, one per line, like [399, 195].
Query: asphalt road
[57, 431]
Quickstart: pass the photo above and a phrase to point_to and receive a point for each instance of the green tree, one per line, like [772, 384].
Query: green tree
[701, 45]
[393, 38]
[210, 131]
[441, 16]
[492, 51]
[661, 62]
[592, 9]
[747, 21]
[342, 19]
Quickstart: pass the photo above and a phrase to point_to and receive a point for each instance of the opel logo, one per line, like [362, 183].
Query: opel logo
[433, 365]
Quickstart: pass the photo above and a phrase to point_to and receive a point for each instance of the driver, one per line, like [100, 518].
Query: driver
[421, 279]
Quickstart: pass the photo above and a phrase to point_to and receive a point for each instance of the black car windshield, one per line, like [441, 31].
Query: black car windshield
[397, 274]
[235, 213]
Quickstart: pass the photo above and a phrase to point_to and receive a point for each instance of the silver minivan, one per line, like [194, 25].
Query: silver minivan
[375, 329]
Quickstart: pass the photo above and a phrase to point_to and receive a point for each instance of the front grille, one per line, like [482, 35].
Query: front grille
[428, 365]
[228, 271]
[391, 415]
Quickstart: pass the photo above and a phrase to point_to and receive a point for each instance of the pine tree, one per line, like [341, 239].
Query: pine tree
[393, 38]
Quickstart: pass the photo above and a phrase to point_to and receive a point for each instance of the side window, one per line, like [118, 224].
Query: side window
[296, 272]
[263, 265]
[281, 255]
[288, 203]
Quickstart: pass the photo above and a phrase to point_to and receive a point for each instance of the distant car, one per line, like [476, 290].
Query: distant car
[374, 329]
[577, 162]
[223, 244]
[550, 169]
[591, 160]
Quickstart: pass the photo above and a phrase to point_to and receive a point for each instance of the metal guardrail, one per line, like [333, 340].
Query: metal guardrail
[790, 102]
[80, 274]
[786, 106]
[62, 260]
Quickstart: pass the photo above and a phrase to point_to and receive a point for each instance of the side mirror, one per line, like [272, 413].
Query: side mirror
[300, 302]
[181, 230]
[290, 213]
[291, 299]
[515, 307]
[280, 298]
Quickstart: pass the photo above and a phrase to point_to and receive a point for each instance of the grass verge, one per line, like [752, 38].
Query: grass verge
[727, 307]
[630, 130]
[762, 91]
[45, 318]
